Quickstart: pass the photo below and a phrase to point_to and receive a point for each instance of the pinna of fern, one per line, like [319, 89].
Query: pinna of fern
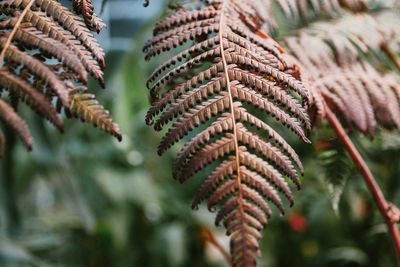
[32, 35]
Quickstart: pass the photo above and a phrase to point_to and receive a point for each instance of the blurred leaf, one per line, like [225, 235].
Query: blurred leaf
[347, 255]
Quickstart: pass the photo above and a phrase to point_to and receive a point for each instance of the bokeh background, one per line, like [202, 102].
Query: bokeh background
[84, 199]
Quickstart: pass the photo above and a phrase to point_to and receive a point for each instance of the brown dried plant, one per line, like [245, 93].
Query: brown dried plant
[32, 34]
[225, 74]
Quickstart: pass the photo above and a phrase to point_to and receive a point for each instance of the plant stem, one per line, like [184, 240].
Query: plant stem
[208, 237]
[384, 206]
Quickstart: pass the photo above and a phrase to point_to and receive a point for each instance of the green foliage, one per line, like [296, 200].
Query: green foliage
[336, 164]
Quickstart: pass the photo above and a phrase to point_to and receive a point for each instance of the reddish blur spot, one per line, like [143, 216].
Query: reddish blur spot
[297, 222]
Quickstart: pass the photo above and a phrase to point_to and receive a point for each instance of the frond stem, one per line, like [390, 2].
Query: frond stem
[385, 207]
[235, 139]
[228, 85]
[14, 30]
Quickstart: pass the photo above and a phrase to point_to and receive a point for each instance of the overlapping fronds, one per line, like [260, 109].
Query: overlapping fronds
[334, 56]
[85, 107]
[300, 11]
[226, 82]
[92, 21]
[29, 73]
[303, 8]
[364, 34]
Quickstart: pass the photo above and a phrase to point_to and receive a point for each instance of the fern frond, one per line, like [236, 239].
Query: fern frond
[31, 38]
[12, 119]
[336, 166]
[88, 109]
[296, 9]
[229, 62]
[29, 94]
[80, 41]
[86, 9]
[364, 34]
[36, 67]
[56, 32]
[356, 91]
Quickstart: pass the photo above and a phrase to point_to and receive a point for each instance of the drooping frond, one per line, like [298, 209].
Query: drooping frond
[27, 93]
[85, 107]
[218, 80]
[12, 119]
[303, 8]
[41, 31]
[364, 34]
[296, 12]
[356, 91]
[92, 21]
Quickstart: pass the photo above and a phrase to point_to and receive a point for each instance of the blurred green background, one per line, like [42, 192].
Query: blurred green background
[83, 199]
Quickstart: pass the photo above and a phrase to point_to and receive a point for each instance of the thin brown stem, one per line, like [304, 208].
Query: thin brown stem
[208, 237]
[388, 210]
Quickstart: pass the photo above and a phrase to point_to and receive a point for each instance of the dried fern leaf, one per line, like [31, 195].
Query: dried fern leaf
[75, 36]
[88, 109]
[363, 34]
[29, 94]
[227, 62]
[72, 23]
[296, 11]
[11, 118]
[32, 77]
[35, 66]
[30, 38]
[86, 9]
[356, 91]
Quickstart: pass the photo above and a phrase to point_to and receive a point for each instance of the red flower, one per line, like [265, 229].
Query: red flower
[297, 222]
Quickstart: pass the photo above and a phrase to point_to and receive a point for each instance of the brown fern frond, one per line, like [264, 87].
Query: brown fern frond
[31, 38]
[88, 109]
[27, 93]
[76, 37]
[86, 9]
[229, 61]
[36, 67]
[364, 33]
[56, 32]
[356, 91]
[12, 119]
[296, 9]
